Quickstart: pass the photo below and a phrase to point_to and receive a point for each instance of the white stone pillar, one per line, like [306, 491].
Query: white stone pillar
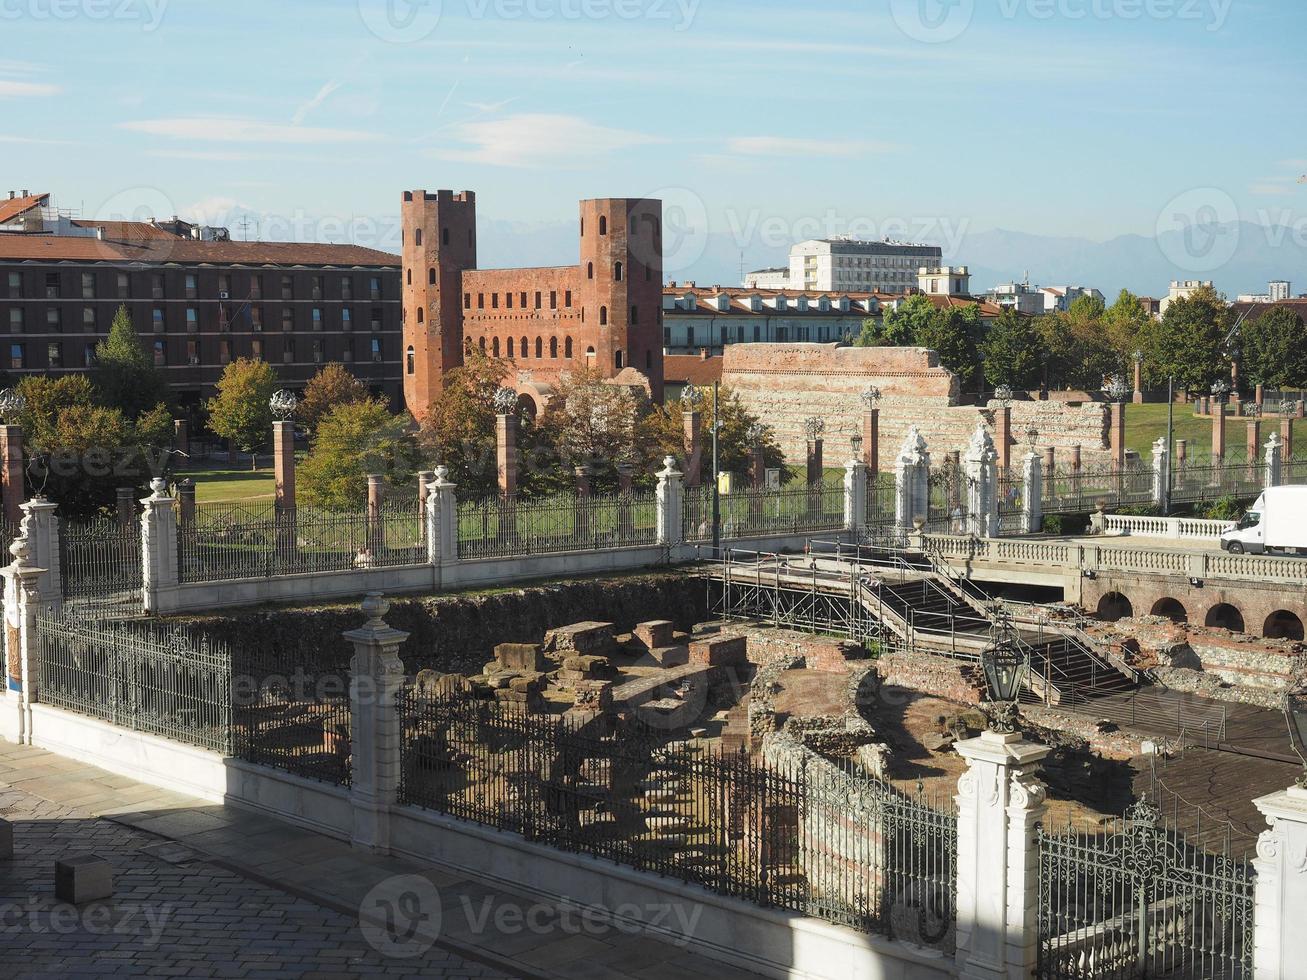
[855, 494]
[42, 534]
[375, 682]
[159, 576]
[1032, 493]
[980, 468]
[442, 519]
[1161, 471]
[1000, 803]
[911, 480]
[22, 600]
[669, 501]
[1280, 895]
[1274, 461]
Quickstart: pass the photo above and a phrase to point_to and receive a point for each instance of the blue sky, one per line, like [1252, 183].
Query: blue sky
[759, 119]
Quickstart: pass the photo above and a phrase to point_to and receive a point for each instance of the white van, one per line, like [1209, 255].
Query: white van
[1277, 523]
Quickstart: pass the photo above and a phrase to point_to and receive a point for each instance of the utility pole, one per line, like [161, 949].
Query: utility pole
[1170, 443]
[716, 483]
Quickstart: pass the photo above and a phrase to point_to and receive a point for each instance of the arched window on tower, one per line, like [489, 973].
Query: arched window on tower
[409, 277]
[553, 346]
[419, 314]
[617, 360]
[417, 237]
[603, 316]
[540, 348]
[567, 348]
[603, 225]
[617, 272]
[589, 270]
[494, 347]
[431, 277]
[409, 360]
[481, 343]
[523, 348]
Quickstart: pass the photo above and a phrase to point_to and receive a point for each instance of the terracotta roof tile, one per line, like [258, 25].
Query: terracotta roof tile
[691, 369]
[53, 248]
[11, 208]
[129, 231]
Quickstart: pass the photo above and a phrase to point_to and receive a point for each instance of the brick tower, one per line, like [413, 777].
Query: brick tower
[439, 243]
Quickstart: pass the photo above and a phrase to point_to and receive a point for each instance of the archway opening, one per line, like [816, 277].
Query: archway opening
[1225, 616]
[1114, 606]
[1283, 625]
[1172, 609]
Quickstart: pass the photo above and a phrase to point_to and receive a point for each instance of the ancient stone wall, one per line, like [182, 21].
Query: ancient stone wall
[784, 384]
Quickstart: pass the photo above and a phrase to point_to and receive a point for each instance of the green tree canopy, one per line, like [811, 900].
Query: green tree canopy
[458, 430]
[954, 333]
[240, 411]
[1126, 323]
[124, 373]
[664, 433]
[1186, 342]
[354, 440]
[1275, 349]
[898, 328]
[1012, 351]
[331, 386]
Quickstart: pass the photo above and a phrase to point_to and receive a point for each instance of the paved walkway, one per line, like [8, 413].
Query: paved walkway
[206, 890]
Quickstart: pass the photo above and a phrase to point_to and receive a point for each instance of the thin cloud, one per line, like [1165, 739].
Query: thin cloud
[26, 90]
[218, 155]
[222, 130]
[322, 95]
[33, 141]
[539, 140]
[790, 146]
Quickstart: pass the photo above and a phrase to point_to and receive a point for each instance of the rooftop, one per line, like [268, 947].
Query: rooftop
[157, 251]
[15, 205]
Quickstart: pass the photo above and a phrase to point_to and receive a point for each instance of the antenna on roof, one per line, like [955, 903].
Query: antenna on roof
[245, 227]
[741, 267]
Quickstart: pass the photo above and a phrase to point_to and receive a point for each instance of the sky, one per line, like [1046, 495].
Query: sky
[760, 121]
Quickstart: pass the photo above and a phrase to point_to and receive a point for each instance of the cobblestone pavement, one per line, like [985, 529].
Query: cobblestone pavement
[206, 890]
[190, 919]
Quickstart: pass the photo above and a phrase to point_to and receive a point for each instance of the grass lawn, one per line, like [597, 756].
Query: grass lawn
[222, 483]
[1145, 424]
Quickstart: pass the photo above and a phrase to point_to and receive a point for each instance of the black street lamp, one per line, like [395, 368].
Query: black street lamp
[1004, 664]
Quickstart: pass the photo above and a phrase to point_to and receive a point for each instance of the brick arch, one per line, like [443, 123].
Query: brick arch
[1113, 606]
[1283, 625]
[1172, 609]
[1225, 615]
[540, 347]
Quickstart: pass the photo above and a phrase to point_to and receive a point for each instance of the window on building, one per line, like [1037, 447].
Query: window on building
[17, 356]
[757, 332]
[567, 299]
[346, 288]
[376, 320]
[481, 301]
[88, 355]
[347, 352]
[224, 351]
[617, 360]
[52, 285]
[192, 319]
[494, 347]
[374, 287]
[648, 360]
[522, 349]
[431, 277]
[192, 352]
[522, 298]
[537, 299]
[156, 286]
[346, 319]
[157, 323]
[376, 350]
[481, 344]
[317, 350]
[722, 334]
[15, 285]
[88, 318]
[603, 316]
[256, 348]
[689, 335]
[567, 348]
[467, 301]
[603, 225]
[444, 236]
[617, 272]
[589, 270]
[667, 336]
[88, 285]
[54, 319]
[408, 277]
[192, 286]
[288, 351]
[494, 301]
[317, 317]
[160, 353]
[553, 300]
[224, 285]
[318, 286]
[410, 360]
[15, 321]
[54, 354]
[287, 287]
[553, 346]
[540, 348]
[420, 315]
[417, 236]
[508, 300]
[256, 319]
[256, 286]
[288, 319]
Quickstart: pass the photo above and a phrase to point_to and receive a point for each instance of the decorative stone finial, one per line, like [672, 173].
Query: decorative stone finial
[12, 405]
[813, 427]
[1003, 395]
[159, 486]
[691, 396]
[505, 401]
[870, 397]
[283, 404]
[913, 450]
[375, 606]
[1116, 389]
[981, 448]
[21, 551]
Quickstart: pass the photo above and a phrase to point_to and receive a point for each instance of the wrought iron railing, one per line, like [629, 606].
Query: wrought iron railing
[807, 835]
[1077, 491]
[142, 676]
[1136, 899]
[748, 512]
[235, 541]
[100, 566]
[505, 526]
[291, 709]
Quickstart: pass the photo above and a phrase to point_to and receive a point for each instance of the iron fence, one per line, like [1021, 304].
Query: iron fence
[100, 566]
[146, 677]
[234, 541]
[505, 526]
[1077, 491]
[1230, 476]
[1137, 900]
[880, 502]
[822, 839]
[291, 709]
[750, 511]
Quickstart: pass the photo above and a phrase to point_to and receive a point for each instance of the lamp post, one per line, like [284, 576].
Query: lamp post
[1139, 377]
[1116, 391]
[1004, 665]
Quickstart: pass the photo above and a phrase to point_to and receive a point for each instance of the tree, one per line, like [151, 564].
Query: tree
[899, 327]
[458, 430]
[1275, 349]
[1012, 351]
[954, 334]
[331, 386]
[1186, 342]
[1126, 324]
[353, 440]
[124, 373]
[664, 433]
[593, 423]
[240, 412]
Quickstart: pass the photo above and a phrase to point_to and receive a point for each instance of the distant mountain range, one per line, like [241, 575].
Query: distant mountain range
[1256, 254]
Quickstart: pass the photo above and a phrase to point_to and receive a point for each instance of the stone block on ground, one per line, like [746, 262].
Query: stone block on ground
[720, 651]
[434, 684]
[670, 656]
[594, 695]
[588, 638]
[81, 878]
[655, 633]
[527, 683]
[526, 657]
